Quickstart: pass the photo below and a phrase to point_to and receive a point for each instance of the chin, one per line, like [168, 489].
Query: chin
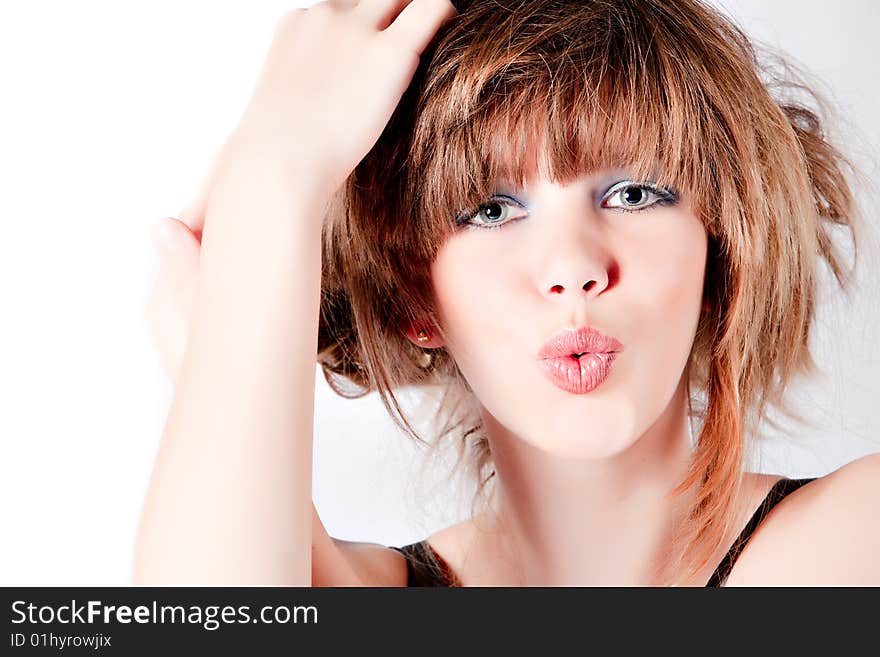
[587, 438]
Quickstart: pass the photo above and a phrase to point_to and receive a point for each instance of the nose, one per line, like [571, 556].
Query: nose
[589, 286]
[578, 266]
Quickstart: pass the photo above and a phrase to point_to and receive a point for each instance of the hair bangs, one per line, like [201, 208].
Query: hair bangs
[559, 107]
[667, 92]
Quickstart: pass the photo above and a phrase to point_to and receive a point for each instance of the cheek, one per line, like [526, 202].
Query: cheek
[665, 291]
[666, 271]
[472, 293]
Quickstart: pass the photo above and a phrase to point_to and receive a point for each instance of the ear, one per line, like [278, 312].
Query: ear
[413, 332]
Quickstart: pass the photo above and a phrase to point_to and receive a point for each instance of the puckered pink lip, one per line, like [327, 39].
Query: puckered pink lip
[576, 341]
[579, 375]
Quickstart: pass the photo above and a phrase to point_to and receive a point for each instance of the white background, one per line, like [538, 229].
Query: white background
[111, 113]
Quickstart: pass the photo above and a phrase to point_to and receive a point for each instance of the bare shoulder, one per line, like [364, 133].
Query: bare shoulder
[372, 564]
[336, 562]
[824, 533]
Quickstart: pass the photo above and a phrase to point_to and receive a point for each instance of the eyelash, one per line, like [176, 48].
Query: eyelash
[664, 197]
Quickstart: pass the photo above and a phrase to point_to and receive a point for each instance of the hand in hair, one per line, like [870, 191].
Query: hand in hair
[332, 78]
[321, 59]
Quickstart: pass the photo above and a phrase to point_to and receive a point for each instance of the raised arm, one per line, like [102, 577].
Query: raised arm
[229, 500]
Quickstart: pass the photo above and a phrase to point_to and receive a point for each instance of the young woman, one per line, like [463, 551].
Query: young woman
[590, 224]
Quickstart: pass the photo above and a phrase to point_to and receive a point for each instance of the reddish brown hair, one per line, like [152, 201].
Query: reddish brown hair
[563, 88]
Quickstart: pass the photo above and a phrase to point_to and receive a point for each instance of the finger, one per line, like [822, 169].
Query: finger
[170, 305]
[174, 239]
[380, 13]
[166, 328]
[181, 260]
[419, 21]
[180, 254]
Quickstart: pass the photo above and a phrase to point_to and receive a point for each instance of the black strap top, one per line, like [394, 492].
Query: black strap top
[426, 568]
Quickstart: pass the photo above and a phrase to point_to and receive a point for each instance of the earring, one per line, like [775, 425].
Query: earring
[422, 335]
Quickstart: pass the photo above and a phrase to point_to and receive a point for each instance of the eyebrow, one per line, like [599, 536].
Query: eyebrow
[600, 177]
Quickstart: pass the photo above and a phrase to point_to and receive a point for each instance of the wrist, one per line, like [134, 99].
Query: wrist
[293, 158]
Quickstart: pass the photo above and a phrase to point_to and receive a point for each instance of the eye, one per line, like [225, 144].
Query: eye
[627, 196]
[634, 197]
[492, 214]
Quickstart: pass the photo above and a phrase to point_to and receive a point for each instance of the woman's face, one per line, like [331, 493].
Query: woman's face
[602, 252]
